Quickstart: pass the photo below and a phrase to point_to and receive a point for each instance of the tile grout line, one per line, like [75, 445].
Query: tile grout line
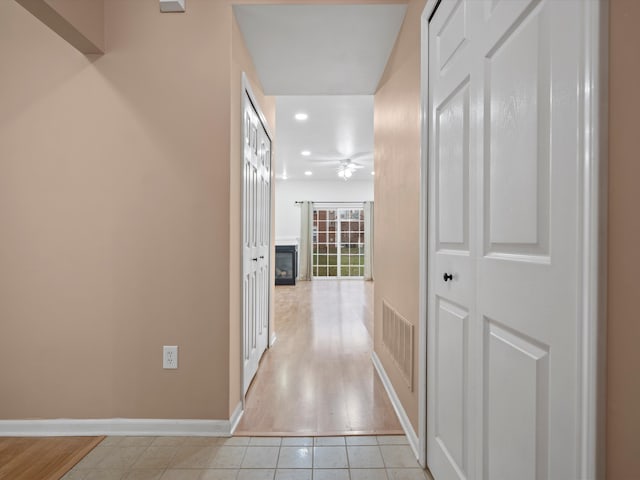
[346, 451]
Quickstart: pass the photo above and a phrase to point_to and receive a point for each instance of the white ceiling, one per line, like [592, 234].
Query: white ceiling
[320, 49]
[325, 61]
[338, 127]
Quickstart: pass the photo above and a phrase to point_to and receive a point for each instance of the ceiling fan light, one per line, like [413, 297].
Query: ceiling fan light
[348, 172]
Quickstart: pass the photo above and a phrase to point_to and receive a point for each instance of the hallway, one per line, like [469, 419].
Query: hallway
[318, 377]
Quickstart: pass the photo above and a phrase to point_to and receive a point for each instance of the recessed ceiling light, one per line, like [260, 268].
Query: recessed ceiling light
[301, 116]
[305, 153]
[373, 173]
[308, 173]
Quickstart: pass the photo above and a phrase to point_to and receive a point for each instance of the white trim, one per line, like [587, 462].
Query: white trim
[593, 286]
[424, 230]
[236, 416]
[397, 406]
[115, 426]
[246, 86]
[287, 240]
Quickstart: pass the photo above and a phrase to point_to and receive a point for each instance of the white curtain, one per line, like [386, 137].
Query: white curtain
[368, 240]
[305, 252]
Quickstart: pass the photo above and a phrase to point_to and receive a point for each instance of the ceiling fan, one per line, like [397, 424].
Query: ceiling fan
[346, 169]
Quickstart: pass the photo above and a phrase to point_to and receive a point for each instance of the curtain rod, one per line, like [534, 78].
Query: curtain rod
[297, 202]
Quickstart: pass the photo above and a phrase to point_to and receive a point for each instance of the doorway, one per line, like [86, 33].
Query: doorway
[329, 160]
[325, 320]
[338, 242]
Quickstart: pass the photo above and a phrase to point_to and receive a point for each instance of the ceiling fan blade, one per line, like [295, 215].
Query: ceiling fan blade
[325, 162]
[361, 155]
[336, 158]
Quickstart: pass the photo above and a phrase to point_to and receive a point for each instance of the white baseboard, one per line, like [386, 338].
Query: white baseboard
[235, 418]
[118, 426]
[397, 406]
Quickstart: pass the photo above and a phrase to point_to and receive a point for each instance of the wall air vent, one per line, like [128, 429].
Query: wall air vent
[397, 337]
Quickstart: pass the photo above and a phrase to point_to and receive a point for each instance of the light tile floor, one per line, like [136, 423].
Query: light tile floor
[250, 458]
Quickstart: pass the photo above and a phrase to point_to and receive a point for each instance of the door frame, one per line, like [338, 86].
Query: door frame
[248, 91]
[593, 226]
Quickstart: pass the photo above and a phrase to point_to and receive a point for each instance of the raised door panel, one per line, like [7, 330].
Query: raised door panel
[264, 209]
[517, 131]
[452, 35]
[452, 138]
[516, 372]
[451, 386]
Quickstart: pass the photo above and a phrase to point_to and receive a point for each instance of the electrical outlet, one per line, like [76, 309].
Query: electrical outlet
[169, 357]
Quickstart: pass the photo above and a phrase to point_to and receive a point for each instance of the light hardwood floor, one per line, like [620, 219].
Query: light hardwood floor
[318, 378]
[49, 458]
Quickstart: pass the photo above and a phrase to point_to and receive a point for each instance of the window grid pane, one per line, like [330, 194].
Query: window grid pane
[338, 242]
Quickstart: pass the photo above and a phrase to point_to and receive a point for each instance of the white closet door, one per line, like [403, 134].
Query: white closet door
[504, 332]
[256, 240]
[452, 340]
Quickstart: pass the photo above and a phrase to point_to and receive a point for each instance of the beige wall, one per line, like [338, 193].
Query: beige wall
[120, 212]
[397, 193]
[623, 326]
[114, 206]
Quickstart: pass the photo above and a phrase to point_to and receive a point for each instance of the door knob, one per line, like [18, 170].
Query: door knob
[255, 259]
[447, 277]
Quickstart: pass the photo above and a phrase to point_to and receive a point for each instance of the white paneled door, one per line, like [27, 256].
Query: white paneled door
[256, 240]
[504, 162]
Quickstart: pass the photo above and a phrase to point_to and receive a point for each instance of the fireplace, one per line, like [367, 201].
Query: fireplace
[286, 264]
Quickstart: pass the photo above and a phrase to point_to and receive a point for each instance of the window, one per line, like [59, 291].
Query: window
[338, 242]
